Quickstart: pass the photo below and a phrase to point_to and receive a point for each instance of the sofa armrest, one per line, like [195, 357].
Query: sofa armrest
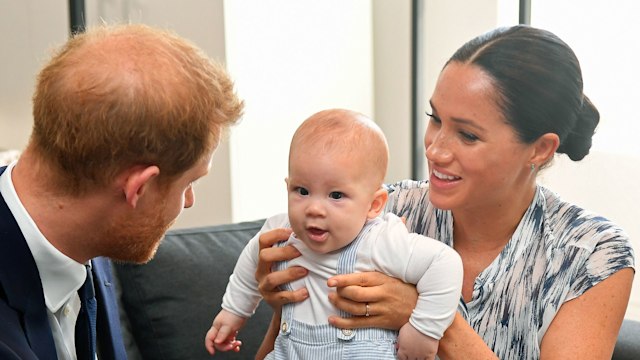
[171, 301]
[628, 343]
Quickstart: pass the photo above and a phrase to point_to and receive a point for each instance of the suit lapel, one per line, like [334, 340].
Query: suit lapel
[109, 331]
[22, 285]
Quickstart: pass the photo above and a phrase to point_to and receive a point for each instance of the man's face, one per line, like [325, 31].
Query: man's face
[136, 237]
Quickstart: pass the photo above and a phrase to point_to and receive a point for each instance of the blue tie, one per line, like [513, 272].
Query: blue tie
[86, 323]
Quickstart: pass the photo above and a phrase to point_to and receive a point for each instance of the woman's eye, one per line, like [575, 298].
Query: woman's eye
[336, 195]
[302, 191]
[432, 118]
[468, 136]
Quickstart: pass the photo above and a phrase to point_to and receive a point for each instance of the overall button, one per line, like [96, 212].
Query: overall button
[284, 327]
[347, 332]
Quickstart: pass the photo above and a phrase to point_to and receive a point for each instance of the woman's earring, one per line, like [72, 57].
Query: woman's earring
[533, 167]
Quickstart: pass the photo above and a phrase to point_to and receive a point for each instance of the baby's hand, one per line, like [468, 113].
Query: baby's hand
[223, 331]
[413, 344]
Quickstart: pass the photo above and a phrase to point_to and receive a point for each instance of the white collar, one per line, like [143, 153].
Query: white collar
[61, 276]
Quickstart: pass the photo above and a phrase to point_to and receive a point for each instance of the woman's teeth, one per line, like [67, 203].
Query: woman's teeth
[442, 176]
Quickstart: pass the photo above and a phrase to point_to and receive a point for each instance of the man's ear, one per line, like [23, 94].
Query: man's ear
[379, 201]
[137, 181]
[544, 148]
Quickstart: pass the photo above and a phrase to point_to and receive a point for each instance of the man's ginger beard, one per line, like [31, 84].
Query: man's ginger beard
[136, 239]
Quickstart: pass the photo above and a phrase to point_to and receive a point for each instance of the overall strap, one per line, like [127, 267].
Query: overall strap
[287, 309]
[346, 265]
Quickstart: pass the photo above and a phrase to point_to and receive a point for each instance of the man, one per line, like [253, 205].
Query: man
[126, 118]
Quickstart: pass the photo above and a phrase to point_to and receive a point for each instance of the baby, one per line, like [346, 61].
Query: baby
[337, 164]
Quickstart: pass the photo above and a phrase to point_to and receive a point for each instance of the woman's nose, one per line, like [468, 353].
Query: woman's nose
[437, 146]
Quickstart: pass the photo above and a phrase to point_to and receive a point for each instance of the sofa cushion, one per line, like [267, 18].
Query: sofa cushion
[171, 301]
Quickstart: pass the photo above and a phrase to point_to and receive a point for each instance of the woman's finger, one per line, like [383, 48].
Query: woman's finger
[357, 322]
[384, 320]
[274, 280]
[390, 300]
[279, 298]
[360, 287]
[352, 307]
[270, 254]
[269, 282]
[273, 254]
[358, 310]
[271, 237]
[366, 279]
[363, 294]
[269, 287]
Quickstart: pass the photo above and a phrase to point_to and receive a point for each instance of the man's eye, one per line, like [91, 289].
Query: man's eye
[336, 195]
[302, 191]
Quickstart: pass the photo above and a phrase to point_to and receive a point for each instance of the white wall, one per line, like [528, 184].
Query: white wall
[290, 59]
[28, 30]
[392, 81]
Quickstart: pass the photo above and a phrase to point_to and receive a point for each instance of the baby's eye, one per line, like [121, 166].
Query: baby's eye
[302, 191]
[336, 195]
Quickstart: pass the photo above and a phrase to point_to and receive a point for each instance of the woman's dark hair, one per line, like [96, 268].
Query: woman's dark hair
[539, 81]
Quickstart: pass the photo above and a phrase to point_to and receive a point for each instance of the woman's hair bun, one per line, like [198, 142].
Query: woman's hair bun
[577, 142]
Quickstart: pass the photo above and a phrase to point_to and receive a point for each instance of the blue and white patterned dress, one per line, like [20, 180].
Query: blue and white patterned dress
[557, 252]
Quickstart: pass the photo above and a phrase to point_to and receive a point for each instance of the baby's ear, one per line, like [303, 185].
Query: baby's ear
[379, 201]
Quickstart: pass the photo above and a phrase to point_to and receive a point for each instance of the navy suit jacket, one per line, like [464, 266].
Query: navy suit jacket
[24, 326]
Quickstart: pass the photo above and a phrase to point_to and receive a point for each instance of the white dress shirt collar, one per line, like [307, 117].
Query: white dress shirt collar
[61, 276]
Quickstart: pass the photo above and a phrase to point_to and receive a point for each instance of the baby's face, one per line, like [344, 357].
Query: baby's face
[330, 196]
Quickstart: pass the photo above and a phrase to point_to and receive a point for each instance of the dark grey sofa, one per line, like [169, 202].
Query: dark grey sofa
[169, 303]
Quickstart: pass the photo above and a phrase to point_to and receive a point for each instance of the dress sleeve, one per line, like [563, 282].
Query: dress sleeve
[612, 252]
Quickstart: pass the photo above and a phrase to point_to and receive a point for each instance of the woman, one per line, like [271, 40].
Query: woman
[542, 277]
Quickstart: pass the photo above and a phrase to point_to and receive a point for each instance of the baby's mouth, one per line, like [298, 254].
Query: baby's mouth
[317, 234]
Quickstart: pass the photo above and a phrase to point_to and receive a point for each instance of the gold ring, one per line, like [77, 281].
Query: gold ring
[366, 309]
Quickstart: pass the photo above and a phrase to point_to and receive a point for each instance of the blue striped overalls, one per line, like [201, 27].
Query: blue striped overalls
[298, 340]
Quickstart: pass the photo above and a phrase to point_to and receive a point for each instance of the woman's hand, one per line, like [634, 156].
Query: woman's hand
[269, 282]
[388, 300]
